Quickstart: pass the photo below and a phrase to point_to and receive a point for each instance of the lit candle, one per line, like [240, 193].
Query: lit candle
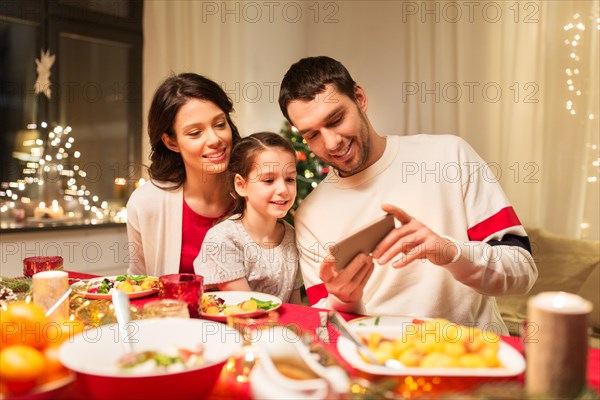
[56, 211]
[557, 344]
[48, 286]
[119, 188]
[41, 211]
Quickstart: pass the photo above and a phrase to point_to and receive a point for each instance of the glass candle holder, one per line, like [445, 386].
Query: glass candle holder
[167, 308]
[185, 287]
[33, 265]
[241, 363]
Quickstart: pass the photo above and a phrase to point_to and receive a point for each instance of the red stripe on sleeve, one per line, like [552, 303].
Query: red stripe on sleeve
[503, 219]
[316, 293]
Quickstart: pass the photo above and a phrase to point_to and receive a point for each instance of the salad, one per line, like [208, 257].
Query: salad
[214, 305]
[125, 283]
[173, 360]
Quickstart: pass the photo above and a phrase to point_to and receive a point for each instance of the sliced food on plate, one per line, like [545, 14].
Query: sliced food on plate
[432, 347]
[133, 285]
[223, 304]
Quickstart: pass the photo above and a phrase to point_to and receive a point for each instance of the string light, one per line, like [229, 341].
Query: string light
[44, 156]
[575, 29]
[576, 46]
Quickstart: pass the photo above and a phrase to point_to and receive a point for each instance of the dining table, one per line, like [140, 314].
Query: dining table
[308, 319]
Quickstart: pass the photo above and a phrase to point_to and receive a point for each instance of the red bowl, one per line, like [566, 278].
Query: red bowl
[93, 355]
[194, 384]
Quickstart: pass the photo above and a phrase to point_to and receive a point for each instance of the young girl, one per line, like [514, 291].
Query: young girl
[254, 249]
[191, 135]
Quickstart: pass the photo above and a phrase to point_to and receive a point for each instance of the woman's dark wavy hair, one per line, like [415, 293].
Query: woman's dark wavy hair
[171, 95]
[308, 77]
[243, 159]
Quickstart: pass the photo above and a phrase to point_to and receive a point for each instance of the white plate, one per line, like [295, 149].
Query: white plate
[512, 361]
[233, 298]
[78, 287]
[397, 321]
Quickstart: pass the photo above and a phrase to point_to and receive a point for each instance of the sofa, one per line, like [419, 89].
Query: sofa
[564, 264]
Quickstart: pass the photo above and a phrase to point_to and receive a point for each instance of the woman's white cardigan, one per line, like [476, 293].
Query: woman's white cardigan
[154, 224]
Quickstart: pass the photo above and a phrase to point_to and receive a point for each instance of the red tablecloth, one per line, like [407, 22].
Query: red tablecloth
[307, 318]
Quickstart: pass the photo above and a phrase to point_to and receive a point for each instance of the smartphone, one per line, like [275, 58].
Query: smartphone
[362, 240]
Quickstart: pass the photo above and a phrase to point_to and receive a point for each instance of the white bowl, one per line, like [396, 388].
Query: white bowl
[93, 356]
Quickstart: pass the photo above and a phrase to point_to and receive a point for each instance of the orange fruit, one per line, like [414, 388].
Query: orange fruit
[54, 369]
[21, 366]
[23, 323]
[57, 333]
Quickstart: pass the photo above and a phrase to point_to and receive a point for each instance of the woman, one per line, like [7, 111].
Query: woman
[191, 137]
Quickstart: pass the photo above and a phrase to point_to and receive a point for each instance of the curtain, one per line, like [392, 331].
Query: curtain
[492, 72]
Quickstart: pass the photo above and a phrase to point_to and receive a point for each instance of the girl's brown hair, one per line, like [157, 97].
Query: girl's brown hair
[243, 159]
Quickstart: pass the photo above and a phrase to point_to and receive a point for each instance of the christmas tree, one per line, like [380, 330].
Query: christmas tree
[311, 170]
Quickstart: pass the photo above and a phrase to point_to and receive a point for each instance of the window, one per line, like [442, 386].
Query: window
[94, 89]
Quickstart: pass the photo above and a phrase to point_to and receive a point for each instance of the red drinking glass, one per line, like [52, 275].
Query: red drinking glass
[33, 265]
[186, 287]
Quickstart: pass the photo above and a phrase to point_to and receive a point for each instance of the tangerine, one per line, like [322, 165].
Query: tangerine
[21, 366]
[54, 368]
[23, 323]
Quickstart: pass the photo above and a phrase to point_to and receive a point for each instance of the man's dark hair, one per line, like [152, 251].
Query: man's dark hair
[309, 76]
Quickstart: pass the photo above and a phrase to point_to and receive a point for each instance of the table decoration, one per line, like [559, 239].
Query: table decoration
[6, 295]
[166, 308]
[95, 313]
[556, 343]
[33, 265]
[251, 328]
[48, 287]
[16, 285]
[186, 287]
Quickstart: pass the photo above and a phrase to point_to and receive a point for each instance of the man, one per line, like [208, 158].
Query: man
[458, 242]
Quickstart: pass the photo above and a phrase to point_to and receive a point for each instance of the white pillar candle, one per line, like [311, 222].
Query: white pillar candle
[557, 344]
[48, 286]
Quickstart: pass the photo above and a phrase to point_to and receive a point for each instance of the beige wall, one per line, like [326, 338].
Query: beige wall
[101, 251]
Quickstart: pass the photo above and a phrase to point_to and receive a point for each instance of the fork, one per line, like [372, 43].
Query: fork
[342, 326]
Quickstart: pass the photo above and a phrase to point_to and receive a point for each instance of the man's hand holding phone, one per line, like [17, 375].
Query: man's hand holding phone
[347, 269]
[362, 240]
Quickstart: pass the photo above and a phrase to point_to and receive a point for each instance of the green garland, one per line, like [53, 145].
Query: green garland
[17, 285]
